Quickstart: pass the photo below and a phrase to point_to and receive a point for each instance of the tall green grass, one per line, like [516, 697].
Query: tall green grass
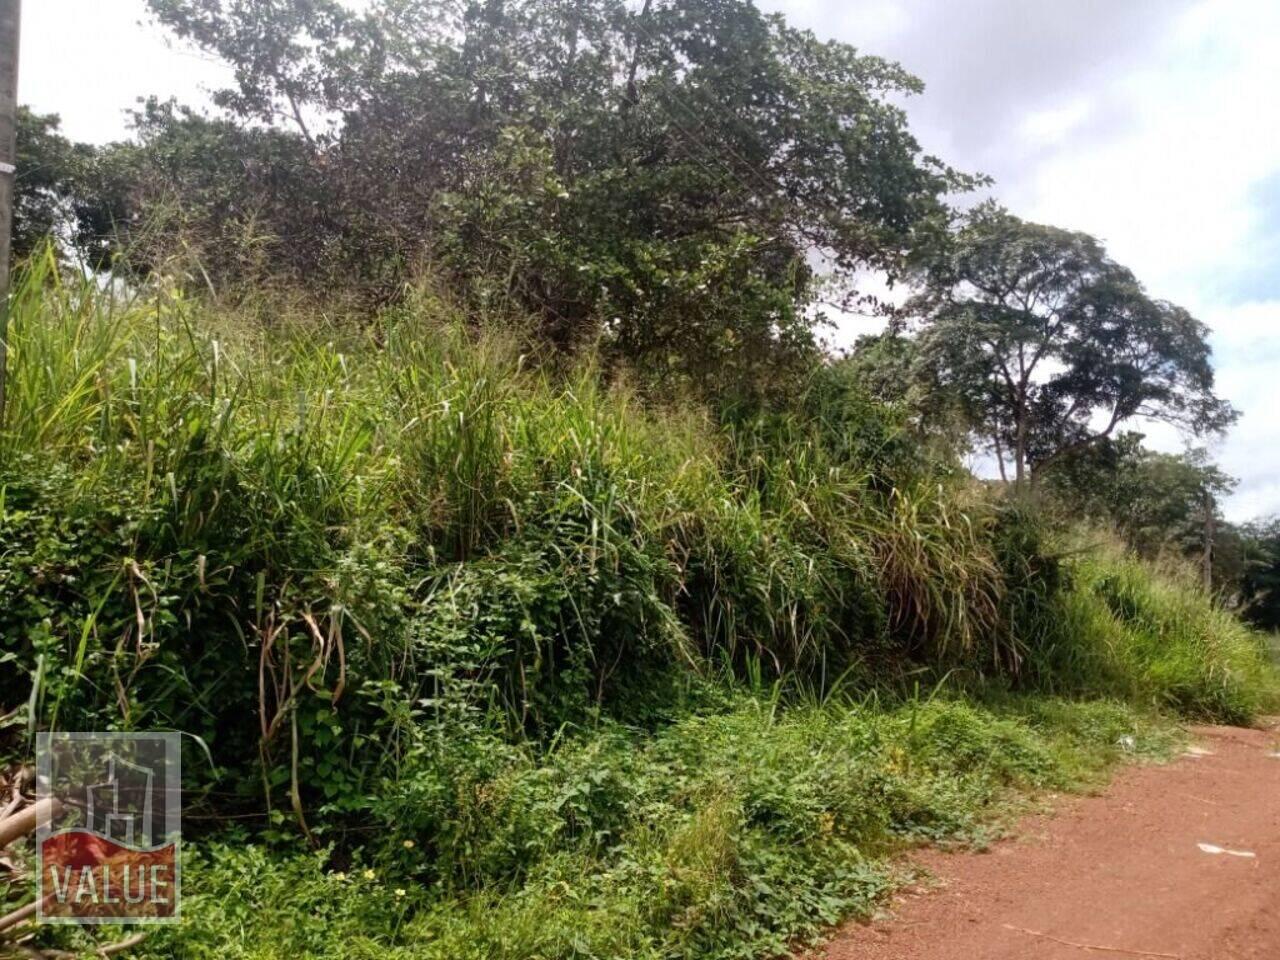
[296, 537]
[1152, 635]
[581, 671]
[357, 502]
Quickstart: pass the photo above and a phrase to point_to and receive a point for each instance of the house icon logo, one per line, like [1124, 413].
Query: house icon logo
[109, 852]
[120, 808]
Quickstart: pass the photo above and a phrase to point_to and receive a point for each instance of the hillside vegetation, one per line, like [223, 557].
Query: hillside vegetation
[440, 433]
[535, 666]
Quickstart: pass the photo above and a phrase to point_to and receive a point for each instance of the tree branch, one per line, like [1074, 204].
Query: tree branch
[1082, 443]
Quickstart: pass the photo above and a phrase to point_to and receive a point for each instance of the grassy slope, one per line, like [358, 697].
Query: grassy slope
[1152, 636]
[733, 835]
[513, 587]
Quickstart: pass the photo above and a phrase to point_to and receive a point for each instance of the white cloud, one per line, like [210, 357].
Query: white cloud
[1042, 128]
[1172, 190]
[1249, 365]
[90, 60]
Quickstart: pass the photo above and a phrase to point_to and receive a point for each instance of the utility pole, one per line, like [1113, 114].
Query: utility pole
[10, 29]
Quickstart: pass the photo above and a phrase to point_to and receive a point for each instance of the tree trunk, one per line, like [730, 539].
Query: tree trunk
[10, 18]
[1020, 461]
[1206, 563]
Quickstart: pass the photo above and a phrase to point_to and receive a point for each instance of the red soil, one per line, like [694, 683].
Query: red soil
[1112, 876]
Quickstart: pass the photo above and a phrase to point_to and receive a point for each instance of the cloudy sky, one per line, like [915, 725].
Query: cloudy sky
[1153, 124]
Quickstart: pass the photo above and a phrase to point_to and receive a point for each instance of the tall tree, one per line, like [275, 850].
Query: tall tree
[1261, 582]
[655, 178]
[1051, 345]
[48, 184]
[1158, 501]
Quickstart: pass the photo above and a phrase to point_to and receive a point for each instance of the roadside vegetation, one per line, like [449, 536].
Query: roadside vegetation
[442, 437]
[740, 833]
[483, 656]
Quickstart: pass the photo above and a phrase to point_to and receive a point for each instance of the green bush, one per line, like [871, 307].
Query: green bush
[235, 531]
[732, 835]
[238, 531]
[1152, 636]
[479, 628]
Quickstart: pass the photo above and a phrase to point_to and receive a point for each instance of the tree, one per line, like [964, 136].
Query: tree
[1261, 586]
[887, 369]
[282, 51]
[1051, 345]
[51, 173]
[244, 201]
[1159, 502]
[652, 179]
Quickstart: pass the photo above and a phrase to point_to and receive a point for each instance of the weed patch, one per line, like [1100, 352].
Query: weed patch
[733, 835]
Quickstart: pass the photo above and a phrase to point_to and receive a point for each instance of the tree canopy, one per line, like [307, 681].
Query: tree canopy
[1260, 583]
[682, 183]
[1050, 345]
[49, 183]
[662, 178]
[1157, 500]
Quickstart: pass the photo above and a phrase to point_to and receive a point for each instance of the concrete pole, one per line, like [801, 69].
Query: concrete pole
[10, 29]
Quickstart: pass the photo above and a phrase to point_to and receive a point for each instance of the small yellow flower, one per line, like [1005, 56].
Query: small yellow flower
[399, 891]
[409, 844]
[369, 874]
[339, 876]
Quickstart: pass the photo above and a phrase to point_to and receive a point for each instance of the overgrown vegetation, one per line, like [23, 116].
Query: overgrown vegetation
[1150, 634]
[531, 651]
[736, 834]
[440, 437]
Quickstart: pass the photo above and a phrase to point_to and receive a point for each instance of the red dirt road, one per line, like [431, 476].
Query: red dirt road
[1112, 876]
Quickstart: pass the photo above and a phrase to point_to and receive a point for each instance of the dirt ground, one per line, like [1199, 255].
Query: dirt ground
[1121, 874]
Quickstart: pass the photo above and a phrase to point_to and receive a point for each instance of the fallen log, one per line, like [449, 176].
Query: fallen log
[25, 820]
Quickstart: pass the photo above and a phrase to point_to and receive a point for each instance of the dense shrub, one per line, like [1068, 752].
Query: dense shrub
[303, 545]
[737, 834]
[1149, 634]
[193, 507]
[479, 629]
